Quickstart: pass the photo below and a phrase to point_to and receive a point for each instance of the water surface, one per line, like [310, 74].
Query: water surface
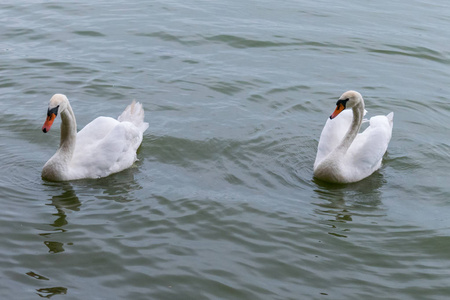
[222, 203]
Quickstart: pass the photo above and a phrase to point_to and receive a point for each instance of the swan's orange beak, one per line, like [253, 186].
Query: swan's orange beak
[339, 108]
[51, 115]
[48, 122]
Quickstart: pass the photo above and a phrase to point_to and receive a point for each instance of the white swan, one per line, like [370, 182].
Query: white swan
[343, 155]
[102, 147]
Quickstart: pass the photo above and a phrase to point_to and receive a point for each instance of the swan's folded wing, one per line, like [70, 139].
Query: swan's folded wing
[368, 148]
[112, 153]
[332, 134]
[119, 147]
[95, 131]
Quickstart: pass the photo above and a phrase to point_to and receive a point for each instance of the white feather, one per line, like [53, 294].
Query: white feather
[343, 154]
[103, 147]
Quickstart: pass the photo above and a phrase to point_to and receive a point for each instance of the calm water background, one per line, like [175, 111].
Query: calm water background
[222, 203]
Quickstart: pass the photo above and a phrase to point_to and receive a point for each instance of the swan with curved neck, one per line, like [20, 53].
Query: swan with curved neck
[344, 155]
[102, 147]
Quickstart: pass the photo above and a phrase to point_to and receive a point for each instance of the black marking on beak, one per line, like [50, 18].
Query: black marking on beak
[343, 102]
[52, 111]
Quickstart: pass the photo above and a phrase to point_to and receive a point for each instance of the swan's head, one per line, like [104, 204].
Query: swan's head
[348, 99]
[56, 105]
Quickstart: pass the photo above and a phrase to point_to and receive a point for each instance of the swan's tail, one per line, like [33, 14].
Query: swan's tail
[134, 113]
[390, 117]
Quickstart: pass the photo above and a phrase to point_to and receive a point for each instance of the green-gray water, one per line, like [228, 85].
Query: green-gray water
[222, 203]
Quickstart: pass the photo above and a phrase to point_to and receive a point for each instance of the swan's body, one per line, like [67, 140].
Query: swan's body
[344, 155]
[103, 147]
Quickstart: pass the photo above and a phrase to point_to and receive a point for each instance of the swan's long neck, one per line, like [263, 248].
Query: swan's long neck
[68, 134]
[56, 168]
[358, 113]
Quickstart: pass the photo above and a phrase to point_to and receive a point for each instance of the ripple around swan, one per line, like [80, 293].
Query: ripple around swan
[19, 183]
[240, 161]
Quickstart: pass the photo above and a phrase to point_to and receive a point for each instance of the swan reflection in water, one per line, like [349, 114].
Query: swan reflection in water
[344, 202]
[68, 200]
